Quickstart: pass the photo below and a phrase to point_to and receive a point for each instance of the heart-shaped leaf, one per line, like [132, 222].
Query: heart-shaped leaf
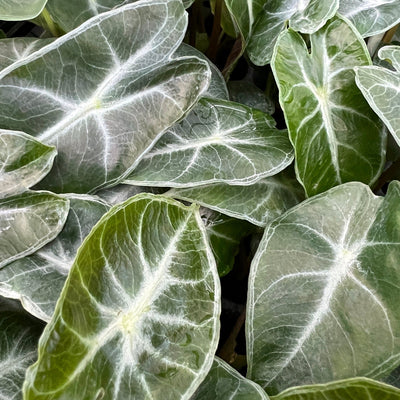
[259, 203]
[323, 291]
[28, 221]
[371, 17]
[19, 10]
[336, 136]
[104, 93]
[381, 88]
[138, 315]
[219, 141]
[23, 162]
[19, 335]
[37, 280]
[225, 383]
[348, 389]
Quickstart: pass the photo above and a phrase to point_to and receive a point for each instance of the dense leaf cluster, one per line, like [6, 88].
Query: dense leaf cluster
[161, 160]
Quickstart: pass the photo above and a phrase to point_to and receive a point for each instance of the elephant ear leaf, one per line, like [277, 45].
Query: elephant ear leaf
[381, 88]
[19, 10]
[139, 314]
[108, 92]
[23, 162]
[319, 294]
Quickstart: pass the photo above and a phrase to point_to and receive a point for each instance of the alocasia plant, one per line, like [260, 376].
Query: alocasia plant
[197, 200]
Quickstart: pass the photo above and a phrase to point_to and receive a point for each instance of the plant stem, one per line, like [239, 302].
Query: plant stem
[216, 30]
[387, 175]
[50, 25]
[234, 55]
[389, 34]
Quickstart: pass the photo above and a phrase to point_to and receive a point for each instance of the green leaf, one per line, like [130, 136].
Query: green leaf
[260, 21]
[349, 389]
[224, 234]
[217, 88]
[138, 315]
[336, 136]
[28, 221]
[225, 383]
[371, 17]
[71, 14]
[103, 94]
[23, 162]
[259, 203]
[219, 141]
[245, 92]
[19, 335]
[381, 88]
[19, 10]
[323, 291]
[37, 280]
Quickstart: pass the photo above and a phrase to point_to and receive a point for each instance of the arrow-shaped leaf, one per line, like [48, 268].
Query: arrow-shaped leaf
[138, 315]
[336, 136]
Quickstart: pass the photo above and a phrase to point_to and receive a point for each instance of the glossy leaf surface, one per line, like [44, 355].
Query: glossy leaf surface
[323, 291]
[349, 389]
[336, 136]
[371, 17]
[19, 335]
[28, 221]
[138, 316]
[259, 203]
[381, 88]
[104, 93]
[218, 141]
[23, 162]
[37, 280]
[225, 383]
[19, 10]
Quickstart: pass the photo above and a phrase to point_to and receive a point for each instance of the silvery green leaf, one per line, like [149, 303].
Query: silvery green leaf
[103, 94]
[323, 291]
[245, 92]
[259, 203]
[15, 50]
[371, 17]
[23, 162]
[118, 194]
[71, 14]
[217, 88]
[348, 389]
[37, 280]
[261, 21]
[334, 128]
[224, 234]
[381, 88]
[219, 141]
[28, 221]
[138, 317]
[225, 383]
[19, 10]
[19, 335]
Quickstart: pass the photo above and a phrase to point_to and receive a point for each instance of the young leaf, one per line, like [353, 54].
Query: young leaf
[225, 383]
[23, 162]
[219, 141]
[381, 88]
[105, 92]
[19, 335]
[336, 136]
[28, 221]
[259, 203]
[260, 23]
[138, 315]
[19, 10]
[323, 291]
[37, 280]
[349, 389]
[371, 17]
